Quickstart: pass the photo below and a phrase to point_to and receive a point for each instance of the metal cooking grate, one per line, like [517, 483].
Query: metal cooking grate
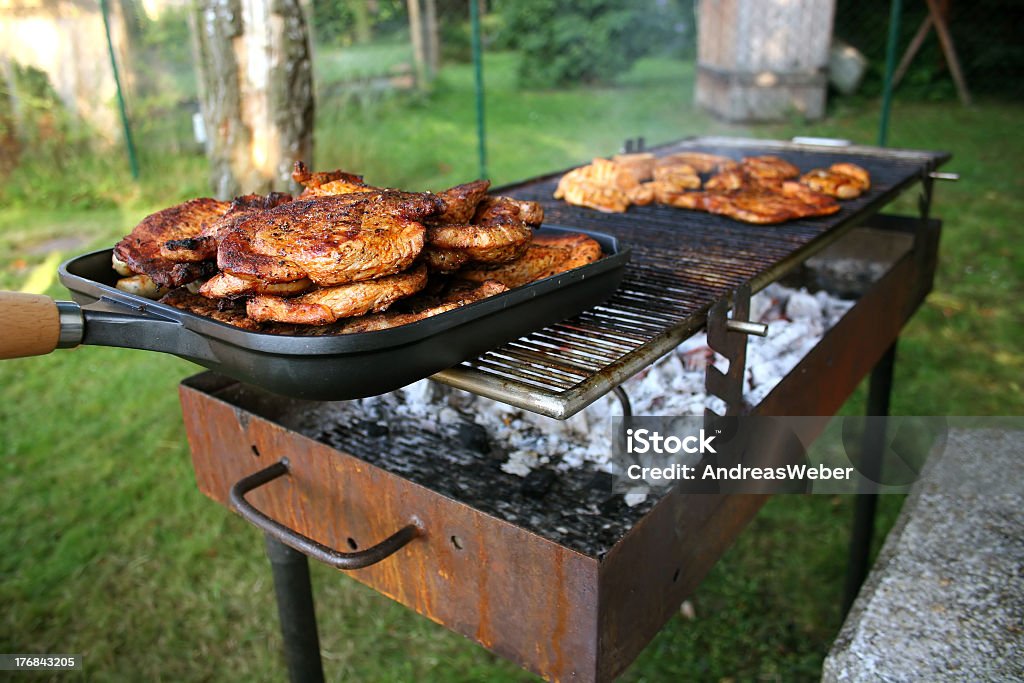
[683, 262]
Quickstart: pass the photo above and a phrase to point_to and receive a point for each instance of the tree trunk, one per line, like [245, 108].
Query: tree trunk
[363, 27]
[255, 92]
[419, 50]
[432, 38]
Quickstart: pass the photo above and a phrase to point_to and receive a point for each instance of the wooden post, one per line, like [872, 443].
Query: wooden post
[419, 55]
[946, 40]
[432, 37]
[255, 91]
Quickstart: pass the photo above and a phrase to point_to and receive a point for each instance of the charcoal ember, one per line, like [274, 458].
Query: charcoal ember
[613, 507]
[374, 428]
[537, 483]
[474, 437]
[602, 482]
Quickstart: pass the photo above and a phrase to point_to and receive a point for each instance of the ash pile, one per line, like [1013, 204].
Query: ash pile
[537, 448]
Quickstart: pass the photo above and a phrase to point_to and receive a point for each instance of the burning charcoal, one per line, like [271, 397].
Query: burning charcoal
[601, 481]
[613, 507]
[374, 429]
[474, 437]
[537, 483]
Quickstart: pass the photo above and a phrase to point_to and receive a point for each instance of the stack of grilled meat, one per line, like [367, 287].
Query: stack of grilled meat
[761, 189]
[337, 257]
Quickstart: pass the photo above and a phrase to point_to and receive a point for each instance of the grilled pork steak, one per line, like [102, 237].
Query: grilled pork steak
[547, 255]
[142, 248]
[326, 305]
[331, 240]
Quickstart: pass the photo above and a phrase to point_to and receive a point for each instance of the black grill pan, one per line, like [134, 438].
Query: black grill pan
[332, 367]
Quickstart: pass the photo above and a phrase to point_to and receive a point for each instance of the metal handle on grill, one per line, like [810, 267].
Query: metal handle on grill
[939, 175]
[304, 544]
[747, 327]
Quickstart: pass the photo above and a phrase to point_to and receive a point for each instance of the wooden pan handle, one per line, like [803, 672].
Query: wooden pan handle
[29, 324]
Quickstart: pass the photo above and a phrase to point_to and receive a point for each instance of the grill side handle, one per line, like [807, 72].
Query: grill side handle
[304, 544]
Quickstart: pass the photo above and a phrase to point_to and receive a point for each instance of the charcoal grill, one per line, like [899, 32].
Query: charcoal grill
[567, 585]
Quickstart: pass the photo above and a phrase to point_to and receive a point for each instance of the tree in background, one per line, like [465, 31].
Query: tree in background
[569, 42]
[255, 91]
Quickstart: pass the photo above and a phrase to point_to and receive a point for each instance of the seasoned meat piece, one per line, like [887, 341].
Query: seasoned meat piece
[699, 161]
[331, 240]
[601, 185]
[764, 207]
[845, 181]
[643, 194]
[592, 195]
[640, 164]
[854, 171]
[679, 177]
[336, 187]
[227, 311]
[499, 240]
[140, 285]
[531, 213]
[326, 305]
[203, 247]
[426, 309]
[809, 197]
[546, 256]
[682, 200]
[140, 250]
[498, 234]
[460, 202]
[444, 260]
[769, 167]
[224, 285]
[311, 181]
[727, 180]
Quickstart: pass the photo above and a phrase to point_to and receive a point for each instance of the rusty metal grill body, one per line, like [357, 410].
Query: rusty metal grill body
[569, 586]
[683, 262]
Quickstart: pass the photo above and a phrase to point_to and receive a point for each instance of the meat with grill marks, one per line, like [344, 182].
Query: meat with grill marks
[500, 241]
[492, 208]
[331, 240]
[546, 255]
[461, 201]
[499, 233]
[769, 166]
[325, 183]
[142, 249]
[700, 161]
[226, 285]
[845, 180]
[426, 308]
[203, 247]
[601, 185]
[228, 311]
[764, 207]
[328, 304]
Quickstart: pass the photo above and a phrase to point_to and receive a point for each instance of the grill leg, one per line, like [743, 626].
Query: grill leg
[296, 613]
[865, 504]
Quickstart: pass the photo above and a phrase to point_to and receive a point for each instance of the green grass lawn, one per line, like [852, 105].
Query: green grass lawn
[110, 551]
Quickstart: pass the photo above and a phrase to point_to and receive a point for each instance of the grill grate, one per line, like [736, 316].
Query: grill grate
[683, 262]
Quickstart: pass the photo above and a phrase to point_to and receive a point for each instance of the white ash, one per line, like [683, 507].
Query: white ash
[673, 385]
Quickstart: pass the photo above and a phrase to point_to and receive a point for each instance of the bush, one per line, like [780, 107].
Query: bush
[585, 41]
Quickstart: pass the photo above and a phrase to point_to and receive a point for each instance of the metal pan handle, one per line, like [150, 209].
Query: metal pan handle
[304, 544]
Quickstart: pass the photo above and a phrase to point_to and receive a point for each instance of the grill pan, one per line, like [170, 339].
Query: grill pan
[324, 368]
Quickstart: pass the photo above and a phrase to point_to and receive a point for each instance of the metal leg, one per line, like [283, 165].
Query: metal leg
[296, 613]
[879, 392]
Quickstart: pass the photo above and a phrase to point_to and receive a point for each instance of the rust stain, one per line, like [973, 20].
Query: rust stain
[483, 631]
[558, 635]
